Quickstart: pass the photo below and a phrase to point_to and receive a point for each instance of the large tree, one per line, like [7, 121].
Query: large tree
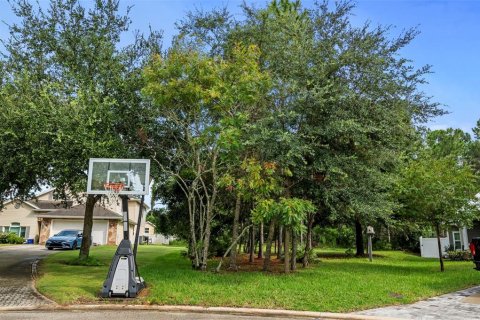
[196, 98]
[80, 76]
[438, 187]
[346, 100]
[343, 106]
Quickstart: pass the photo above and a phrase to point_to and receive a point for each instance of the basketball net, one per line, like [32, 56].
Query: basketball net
[113, 190]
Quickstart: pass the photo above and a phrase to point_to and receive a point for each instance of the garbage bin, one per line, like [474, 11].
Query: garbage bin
[29, 241]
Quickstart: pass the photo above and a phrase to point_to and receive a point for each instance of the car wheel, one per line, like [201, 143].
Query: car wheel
[49, 248]
[74, 246]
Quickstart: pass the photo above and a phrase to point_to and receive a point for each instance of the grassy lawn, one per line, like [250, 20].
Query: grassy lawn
[334, 284]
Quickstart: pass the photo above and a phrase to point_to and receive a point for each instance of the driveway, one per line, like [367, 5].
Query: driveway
[16, 285]
[460, 305]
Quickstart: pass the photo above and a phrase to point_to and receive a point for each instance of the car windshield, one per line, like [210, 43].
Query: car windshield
[68, 233]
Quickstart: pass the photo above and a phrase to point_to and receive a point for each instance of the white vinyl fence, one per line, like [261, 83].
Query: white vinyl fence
[429, 247]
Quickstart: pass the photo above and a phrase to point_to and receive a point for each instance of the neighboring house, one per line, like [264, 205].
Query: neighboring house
[43, 217]
[459, 238]
[151, 236]
[456, 238]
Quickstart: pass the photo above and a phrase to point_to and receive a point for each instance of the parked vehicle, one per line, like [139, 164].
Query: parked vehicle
[475, 250]
[65, 239]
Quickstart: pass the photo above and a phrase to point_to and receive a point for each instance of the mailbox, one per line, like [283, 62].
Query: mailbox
[370, 231]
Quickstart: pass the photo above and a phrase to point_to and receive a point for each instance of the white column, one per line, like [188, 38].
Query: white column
[465, 240]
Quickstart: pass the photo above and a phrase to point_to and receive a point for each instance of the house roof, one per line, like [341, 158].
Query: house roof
[78, 211]
[149, 223]
[50, 204]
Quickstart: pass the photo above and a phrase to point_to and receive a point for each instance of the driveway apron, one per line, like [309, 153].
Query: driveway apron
[460, 305]
[16, 284]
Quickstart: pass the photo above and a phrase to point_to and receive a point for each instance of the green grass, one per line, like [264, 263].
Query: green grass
[334, 284]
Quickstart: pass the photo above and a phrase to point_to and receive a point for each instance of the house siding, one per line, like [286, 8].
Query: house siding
[474, 231]
[23, 215]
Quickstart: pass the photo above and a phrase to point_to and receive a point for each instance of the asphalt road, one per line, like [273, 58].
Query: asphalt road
[122, 315]
[16, 289]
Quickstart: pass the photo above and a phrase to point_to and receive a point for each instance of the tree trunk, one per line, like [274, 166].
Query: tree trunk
[193, 238]
[280, 244]
[308, 245]
[234, 244]
[252, 243]
[287, 250]
[359, 238]
[206, 241]
[260, 242]
[268, 250]
[236, 218]
[294, 251]
[87, 226]
[439, 248]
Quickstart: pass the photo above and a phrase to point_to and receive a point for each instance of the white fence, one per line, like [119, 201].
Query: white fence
[429, 247]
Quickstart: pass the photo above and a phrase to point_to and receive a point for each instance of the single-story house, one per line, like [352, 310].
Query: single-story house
[42, 217]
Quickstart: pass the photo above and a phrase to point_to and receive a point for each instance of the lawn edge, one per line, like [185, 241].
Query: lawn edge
[208, 310]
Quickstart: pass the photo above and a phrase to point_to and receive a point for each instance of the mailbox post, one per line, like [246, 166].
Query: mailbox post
[370, 234]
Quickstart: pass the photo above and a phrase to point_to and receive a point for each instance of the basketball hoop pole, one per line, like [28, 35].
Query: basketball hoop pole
[125, 216]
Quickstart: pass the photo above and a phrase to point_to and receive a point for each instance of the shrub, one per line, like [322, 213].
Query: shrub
[381, 245]
[343, 236]
[177, 243]
[459, 255]
[11, 238]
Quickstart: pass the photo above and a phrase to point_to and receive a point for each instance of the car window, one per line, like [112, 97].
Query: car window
[68, 233]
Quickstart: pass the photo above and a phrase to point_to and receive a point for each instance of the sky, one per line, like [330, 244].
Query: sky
[449, 41]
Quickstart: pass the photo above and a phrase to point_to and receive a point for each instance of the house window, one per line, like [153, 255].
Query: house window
[15, 228]
[147, 230]
[457, 242]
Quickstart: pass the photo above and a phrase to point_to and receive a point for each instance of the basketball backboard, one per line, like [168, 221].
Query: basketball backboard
[133, 174]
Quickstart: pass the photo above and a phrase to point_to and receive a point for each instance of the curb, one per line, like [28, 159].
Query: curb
[211, 310]
[34, 274]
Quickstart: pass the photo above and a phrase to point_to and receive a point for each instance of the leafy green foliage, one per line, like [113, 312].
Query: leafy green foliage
[200, 103]
[437, 186]
[11, 238]
[288, 211]
[459, 255]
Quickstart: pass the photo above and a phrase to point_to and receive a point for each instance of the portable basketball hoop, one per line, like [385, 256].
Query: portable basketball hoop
[121, 178]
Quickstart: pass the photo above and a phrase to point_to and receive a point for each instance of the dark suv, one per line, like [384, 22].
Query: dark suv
[475, 250]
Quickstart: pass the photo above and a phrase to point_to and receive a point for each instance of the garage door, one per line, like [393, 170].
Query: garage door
[99, 229]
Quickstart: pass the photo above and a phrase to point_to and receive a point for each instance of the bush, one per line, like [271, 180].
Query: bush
[343, 236]
[11, 238]
[177, 243]
[381, 245]
[459, 255]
